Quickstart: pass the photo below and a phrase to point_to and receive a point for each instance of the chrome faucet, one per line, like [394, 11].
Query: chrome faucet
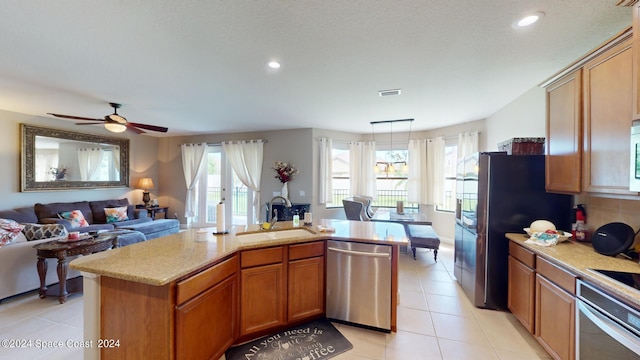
[274, 217]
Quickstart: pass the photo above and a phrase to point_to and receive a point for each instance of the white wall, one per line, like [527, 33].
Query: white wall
[523, 117]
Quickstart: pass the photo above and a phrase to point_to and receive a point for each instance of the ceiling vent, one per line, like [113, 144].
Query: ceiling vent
[392, 92]
[626, 2]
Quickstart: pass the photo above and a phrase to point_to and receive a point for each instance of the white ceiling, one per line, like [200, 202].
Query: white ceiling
[200, 66]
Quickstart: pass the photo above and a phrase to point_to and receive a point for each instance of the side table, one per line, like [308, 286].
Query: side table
[153, 211]
[63, 249]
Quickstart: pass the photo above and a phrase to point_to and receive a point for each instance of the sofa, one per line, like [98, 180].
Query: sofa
[18, 258]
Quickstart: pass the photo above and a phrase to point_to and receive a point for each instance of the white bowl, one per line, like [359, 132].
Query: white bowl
[562, 238]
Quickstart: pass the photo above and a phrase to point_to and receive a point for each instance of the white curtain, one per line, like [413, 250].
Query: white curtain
[89, 160]
[193, 160]
[467, 144]
[325, 192]
[362, 161]
[417, 189]
[246, 160]
[435, 171]
[46, 161]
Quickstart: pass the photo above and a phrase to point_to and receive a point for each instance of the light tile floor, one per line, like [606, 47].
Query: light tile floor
[435, 321]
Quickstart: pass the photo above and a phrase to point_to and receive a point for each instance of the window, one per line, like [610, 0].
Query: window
[391, 182]
[450, 161]
[211, 190]
[340, 175]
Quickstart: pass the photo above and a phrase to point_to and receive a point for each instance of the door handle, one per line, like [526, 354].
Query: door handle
[360, 253]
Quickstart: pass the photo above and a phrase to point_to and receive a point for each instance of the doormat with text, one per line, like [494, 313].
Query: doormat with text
[316, 340]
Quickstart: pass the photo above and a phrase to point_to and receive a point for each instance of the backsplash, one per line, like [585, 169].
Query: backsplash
[601, 211]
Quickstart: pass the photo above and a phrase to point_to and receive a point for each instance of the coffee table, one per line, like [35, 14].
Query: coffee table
[63, 249]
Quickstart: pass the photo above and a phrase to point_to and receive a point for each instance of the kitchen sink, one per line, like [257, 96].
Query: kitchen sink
[273, 235]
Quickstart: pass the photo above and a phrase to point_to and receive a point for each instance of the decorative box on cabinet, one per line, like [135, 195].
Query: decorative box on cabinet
[286, 213]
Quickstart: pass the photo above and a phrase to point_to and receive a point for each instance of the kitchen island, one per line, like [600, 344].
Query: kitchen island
[192, 295]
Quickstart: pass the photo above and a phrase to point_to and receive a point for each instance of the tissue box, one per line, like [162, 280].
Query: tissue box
[523, 146]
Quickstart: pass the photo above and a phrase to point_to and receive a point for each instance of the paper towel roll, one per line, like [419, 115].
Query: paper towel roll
[220, 227]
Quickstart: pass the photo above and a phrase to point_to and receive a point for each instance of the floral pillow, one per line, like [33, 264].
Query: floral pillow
[116, 214]
[9, 229]
[75, 217]
[39, 232]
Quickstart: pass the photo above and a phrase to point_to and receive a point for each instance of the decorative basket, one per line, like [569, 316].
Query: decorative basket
[523, 146]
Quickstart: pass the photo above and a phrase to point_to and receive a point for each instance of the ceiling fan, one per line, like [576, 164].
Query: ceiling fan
[115, 122]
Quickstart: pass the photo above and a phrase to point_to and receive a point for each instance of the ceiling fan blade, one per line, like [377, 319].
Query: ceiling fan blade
[74, 117]
[134, 129]
[149, 127]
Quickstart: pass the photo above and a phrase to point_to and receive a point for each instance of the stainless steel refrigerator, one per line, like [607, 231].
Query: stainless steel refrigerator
[497, 194]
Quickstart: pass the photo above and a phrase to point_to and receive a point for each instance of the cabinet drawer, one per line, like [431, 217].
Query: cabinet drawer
[205, 279]
[307, 250]
[557, 275]
[259, 257]
[523, 255]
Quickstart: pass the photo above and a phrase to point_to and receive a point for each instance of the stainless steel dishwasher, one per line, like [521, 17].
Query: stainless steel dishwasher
[359, 284]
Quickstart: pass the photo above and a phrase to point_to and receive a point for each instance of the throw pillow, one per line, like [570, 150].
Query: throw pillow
[39, 232]
[116, 214]
[75, 217]
[9, 229]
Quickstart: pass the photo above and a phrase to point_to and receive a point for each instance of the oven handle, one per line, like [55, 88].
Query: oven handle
[612, 329]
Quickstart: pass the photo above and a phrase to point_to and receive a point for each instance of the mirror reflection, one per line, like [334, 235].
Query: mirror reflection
[58, 159]
[70, 160]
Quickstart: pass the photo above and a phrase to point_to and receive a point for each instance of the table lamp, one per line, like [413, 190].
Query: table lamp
[145, 184]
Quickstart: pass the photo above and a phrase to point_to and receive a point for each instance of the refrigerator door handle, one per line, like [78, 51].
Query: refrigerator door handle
[360, 253]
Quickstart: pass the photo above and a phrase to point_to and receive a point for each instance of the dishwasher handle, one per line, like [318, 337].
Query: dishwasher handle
[360, 253]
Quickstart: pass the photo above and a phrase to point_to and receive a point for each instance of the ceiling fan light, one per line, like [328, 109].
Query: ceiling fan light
[115, 127]
[117, 118]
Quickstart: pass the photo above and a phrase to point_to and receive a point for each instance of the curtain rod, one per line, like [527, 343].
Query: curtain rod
[220, 143]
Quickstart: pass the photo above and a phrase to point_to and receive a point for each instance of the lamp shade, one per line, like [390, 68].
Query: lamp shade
[145, 184]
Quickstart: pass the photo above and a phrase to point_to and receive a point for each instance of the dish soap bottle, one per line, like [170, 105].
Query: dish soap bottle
[296, 220]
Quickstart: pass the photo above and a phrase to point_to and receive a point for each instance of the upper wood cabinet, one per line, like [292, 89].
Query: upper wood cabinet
[589, 113]
[608, 107]
[636, 62]
[564, 134]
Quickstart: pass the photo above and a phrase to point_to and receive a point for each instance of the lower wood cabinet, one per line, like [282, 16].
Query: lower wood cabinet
[306, 288]
[542, 298]
[263, 302]
[521, 293]
[206, 324]
[555, 319]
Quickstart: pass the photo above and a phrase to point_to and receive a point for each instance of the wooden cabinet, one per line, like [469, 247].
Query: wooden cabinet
[206, 315]
[521, 292]
[555, 319]
[607, 119]
[636, 62]
[263, 290]
[542, 298]
[589, 112]
[306, 281]
[206, 325]
[564, 134]
[194, 318]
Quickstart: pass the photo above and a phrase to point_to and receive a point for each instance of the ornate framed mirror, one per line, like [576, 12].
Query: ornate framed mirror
[53, 159]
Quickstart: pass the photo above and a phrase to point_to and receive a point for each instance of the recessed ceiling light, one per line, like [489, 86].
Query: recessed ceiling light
[274, 64]
[528, 20]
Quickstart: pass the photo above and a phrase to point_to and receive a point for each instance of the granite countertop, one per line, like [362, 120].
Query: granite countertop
[163, 260]
[578, 257]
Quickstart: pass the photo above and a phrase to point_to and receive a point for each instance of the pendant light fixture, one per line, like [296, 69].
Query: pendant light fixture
[389, 166]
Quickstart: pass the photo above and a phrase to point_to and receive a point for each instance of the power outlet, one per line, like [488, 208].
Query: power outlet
[302, 193]
[276, 193]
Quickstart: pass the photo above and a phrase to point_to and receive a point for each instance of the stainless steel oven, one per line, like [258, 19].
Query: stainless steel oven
[606, 328]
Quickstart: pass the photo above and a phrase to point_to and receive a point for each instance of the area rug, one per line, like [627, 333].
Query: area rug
[316, 340]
